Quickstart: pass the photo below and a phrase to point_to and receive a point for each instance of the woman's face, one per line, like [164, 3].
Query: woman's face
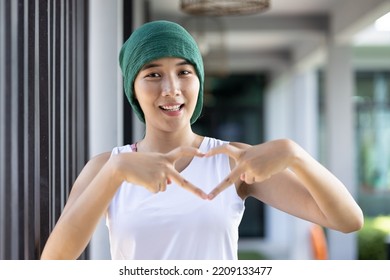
[167, 90]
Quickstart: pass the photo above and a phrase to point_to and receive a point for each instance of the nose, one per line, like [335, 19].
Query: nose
[170, 86]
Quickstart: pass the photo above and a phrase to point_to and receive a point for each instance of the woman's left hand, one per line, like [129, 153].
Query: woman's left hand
[308, 190]
[253, 163]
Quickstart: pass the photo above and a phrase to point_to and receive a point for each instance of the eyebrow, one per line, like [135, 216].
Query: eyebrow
[151, 65]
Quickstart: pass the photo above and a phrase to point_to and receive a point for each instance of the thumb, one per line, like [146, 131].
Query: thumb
[180, 152]
[227, 149]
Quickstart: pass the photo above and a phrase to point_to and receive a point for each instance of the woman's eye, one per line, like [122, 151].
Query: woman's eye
[153, 75]
[184, 72]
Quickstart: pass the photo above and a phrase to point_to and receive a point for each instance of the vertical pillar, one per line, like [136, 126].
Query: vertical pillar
[305, 112]
[277, 113]
[105, 99]
[340, 145]
[292, 111]
[139, 18]
[304, 130]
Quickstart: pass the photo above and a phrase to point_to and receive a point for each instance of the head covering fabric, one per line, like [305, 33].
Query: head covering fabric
[152, 41]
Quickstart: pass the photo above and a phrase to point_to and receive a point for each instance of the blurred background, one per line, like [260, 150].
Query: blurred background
[315, 71]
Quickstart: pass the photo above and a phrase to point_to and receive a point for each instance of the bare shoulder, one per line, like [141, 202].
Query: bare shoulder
[92, 167]
[98, 161]
[88, 173]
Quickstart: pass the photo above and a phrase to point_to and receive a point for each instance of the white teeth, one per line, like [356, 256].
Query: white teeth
[171, 108]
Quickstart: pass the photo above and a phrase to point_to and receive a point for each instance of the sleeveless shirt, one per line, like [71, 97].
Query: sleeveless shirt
[176, 224]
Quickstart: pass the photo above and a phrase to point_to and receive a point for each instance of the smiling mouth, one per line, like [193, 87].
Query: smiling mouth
[172, 108]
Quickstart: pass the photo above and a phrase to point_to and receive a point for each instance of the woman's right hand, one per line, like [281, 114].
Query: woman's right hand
[155, 170]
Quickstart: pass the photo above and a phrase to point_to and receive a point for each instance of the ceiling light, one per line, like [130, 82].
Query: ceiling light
[223, 7]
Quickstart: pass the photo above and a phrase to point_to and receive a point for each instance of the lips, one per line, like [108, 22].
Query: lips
[172, 107]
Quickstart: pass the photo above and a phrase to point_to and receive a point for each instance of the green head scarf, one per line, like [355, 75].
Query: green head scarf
[155, 40]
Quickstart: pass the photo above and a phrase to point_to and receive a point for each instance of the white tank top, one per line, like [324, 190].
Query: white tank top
[176, 224]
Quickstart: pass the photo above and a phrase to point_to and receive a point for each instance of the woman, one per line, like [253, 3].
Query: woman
[179, 195]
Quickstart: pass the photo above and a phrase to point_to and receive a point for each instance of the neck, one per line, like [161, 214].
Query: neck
[163, 142]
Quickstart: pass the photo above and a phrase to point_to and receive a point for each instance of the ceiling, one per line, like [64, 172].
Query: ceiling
[268, 41]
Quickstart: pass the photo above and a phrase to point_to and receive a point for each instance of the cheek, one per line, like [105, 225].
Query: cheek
[193, 88]
[143, 92]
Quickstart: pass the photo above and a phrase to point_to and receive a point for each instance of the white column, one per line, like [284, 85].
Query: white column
[278, 235]
[305, 110]
[339, 116]
[138, 129]
[304, 130]
[291, 111]
[105, 93]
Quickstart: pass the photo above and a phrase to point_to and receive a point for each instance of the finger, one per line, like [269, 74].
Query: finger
[227, 149]
[175, 176]
[177, 153]
[248, 178]
[231, 179]
[163, 186]
[155, 188]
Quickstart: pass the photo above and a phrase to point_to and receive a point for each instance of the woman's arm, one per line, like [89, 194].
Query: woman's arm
[97, 184]
[87, 202]
[283, 175]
